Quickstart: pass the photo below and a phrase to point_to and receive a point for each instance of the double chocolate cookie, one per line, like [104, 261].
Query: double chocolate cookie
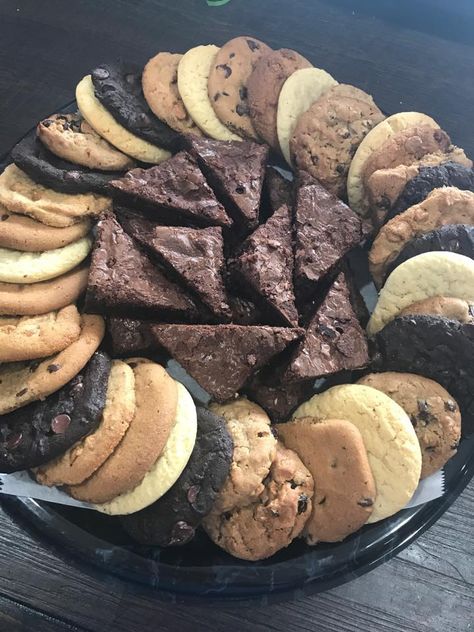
[173, 519]
[41, 165]
[37, 433]
[119, 88]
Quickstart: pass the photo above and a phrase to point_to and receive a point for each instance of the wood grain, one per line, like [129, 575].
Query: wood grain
[409, 55]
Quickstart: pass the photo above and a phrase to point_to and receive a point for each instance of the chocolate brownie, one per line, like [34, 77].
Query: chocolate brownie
[450, 238]
[128, 336]
[37, 433]
[196, 256]
[244, 311]
[436, 347]
[173, 519]
[326, 230]
[264, 268]
[275, 394]
[44, 167]
[124, 281]
[174, 191]
[277, 190]
[235, 170]
[221, 358]
[448, 174]
[334, 340]
[119, 88]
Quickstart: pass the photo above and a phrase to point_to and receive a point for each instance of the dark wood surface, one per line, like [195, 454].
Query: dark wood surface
[415, 55]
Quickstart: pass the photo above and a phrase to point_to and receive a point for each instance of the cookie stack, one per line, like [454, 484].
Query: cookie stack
[205, 254]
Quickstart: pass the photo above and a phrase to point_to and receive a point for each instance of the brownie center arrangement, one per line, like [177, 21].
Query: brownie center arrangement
[150, 225]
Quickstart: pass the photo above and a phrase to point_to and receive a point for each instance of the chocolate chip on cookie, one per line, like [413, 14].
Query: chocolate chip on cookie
[433, 412]
[41, 431]
[69, 137]
[119, 88]
[270, 523]
[173, 519]
[227, 83]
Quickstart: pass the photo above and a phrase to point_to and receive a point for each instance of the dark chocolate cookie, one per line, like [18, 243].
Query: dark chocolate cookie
[119, 88]
[436, 347]
[39, 432]
[44, 167]
[448, 174]
[450, 238]
[173, 519]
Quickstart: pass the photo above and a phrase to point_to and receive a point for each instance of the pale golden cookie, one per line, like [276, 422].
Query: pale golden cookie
[193, 74]
[20, 194]
[160, 88]
[19, 232]
[106, 126]
[444, 206]
[356, 193]
[329, 132]
[254, 451]
[227, 83]
[86, 456]
[32, 337]
[156, 397]
[25, 382]
[298, 93]
[334, 453]
[17, 266]
[32, 299]
[70, 137]
[433, 412]
[260, 529]
[168, 467]
[389, 438]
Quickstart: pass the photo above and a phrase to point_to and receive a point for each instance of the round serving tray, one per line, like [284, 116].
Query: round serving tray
[200, 570]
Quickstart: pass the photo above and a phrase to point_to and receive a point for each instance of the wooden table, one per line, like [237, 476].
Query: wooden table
[417, 55]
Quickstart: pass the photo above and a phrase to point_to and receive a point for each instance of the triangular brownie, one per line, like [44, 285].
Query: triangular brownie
[325, 230]
[265, 267]
[334, 340]
[236, 171]
[124, 281]
[195, 255]
[174, 190]
[221, 358]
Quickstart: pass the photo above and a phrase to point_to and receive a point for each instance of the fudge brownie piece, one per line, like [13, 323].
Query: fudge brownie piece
[196, 256]
[32, 157]
[118, 87]
[124, 281]
[172, 520]
[277, 190]
[334, 340]
[436, 347]
[244, 311]
[447, 174]
[278, 397]
[264, 268]
[174, 191]
[221, 358]
[325, 230]
[449, 238]
[235, 170]
[41, 431]
[127, 336]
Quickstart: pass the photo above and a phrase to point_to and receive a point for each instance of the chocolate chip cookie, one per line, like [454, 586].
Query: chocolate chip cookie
[71, 138]
[227, 83]
[173, 519]
[41, 431]
[449, 307]
[328, 133]
[433, 412]
[260, 529]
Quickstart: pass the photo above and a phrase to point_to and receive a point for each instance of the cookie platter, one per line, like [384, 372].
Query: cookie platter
[311, 422]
